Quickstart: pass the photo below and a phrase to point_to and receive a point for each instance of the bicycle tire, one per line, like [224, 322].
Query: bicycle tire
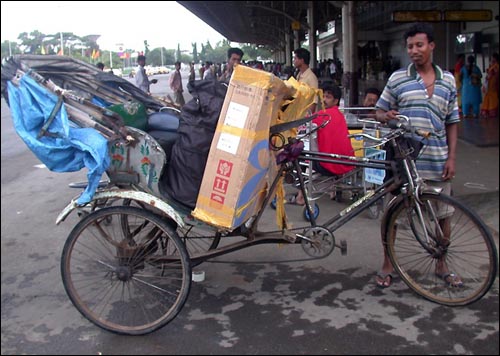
[117, 279]
[470, 253]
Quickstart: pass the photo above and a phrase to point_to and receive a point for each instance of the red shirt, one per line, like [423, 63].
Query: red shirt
[333, 138]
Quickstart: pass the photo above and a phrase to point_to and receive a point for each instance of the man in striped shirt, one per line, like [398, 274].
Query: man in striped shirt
[427, 95]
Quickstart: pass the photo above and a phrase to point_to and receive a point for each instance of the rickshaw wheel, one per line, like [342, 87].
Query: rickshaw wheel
[131, 276]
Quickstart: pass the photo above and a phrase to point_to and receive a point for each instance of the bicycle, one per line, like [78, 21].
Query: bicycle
[126, 269]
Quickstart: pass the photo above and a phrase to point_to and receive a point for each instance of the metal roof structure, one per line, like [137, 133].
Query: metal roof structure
[262, 22]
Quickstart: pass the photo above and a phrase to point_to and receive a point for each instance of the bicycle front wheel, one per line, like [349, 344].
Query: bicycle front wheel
[126, 270]
[441, 249]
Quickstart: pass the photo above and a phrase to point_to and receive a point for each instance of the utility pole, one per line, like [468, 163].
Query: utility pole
[62, 45]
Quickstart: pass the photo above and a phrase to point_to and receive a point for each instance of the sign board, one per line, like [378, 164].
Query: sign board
[468, 15]
[416, 16]
[375, 176]
[295, 25]
[438, 16]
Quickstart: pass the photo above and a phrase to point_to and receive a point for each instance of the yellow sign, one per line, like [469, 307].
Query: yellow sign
[468, 15]
[415, 16]
[295, 25]
[438, 16]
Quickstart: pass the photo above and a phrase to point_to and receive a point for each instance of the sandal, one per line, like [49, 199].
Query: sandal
[451, 279]
[384, 280]
[292, 199]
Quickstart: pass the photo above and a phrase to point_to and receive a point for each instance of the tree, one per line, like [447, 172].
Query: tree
[154, 57]
[146, 48]
[178, 53]
[195, 52]
[253, 52]
[9, 47]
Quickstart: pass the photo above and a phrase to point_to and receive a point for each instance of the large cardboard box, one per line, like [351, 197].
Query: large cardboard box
[236, 178]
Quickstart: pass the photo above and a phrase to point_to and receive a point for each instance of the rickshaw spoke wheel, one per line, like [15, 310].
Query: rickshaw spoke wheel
[126, 270]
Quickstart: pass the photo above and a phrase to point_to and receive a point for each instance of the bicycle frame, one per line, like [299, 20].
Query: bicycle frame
[254, 236]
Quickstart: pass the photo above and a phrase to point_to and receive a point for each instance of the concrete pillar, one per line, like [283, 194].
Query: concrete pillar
[312, 34]
[296, 42]
[350, 49]
[288, 50]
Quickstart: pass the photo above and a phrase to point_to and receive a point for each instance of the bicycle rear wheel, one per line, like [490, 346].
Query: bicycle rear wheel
[447, 234]
[126, 270]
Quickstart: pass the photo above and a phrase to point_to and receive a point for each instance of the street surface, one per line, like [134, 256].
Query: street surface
[250, 302]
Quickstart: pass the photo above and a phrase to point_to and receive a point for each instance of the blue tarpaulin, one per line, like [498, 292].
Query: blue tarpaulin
[65, 148]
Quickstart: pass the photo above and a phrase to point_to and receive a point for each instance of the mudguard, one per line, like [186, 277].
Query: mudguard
[143, 197]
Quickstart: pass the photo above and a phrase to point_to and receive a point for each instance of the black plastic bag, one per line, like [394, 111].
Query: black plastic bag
[197, 126]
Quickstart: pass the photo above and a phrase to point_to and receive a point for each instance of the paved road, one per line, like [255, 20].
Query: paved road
[249, 303]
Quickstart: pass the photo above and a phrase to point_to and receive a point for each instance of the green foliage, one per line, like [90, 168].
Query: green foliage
[82, 47]
[252, 52]
[154, 57]
[178, 53]
[195, 52]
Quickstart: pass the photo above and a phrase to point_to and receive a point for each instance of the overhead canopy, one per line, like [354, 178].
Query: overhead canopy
[261, 22]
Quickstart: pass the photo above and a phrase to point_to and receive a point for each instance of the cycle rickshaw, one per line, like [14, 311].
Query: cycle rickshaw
[126, 265]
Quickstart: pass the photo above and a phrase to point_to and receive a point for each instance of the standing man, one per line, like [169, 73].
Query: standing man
[301, 61]
[234, 56]
[428, 96]
[192, 74]
[141, 78]
[175, 82]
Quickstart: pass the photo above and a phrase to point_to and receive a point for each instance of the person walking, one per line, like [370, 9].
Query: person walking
[470, 76]
[428, 96]
[175, 82]
[192, 73]
[489, 107]
[141, 78]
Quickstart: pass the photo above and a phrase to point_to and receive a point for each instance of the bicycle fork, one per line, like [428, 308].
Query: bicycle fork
[413, 194]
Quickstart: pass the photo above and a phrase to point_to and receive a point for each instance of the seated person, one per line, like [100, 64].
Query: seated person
[371, 98]
[333, 138]
[365, 110]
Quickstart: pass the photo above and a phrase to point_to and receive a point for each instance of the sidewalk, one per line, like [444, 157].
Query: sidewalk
[476, 181]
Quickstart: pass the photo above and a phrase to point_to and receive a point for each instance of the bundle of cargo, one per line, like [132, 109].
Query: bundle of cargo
[240, 163]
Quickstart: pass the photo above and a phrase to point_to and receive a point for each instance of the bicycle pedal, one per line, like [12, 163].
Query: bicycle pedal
[343, 247]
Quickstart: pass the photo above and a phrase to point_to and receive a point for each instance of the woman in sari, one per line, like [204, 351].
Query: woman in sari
[471, 88]
[489, 107]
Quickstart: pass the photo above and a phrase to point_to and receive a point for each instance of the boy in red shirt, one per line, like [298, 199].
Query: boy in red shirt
[333, 138]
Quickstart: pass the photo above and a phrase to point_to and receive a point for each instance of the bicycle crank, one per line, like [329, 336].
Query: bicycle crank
[318, 241]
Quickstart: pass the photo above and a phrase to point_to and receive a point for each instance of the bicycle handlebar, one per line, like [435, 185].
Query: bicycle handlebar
[401, 123]
[398, 124]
